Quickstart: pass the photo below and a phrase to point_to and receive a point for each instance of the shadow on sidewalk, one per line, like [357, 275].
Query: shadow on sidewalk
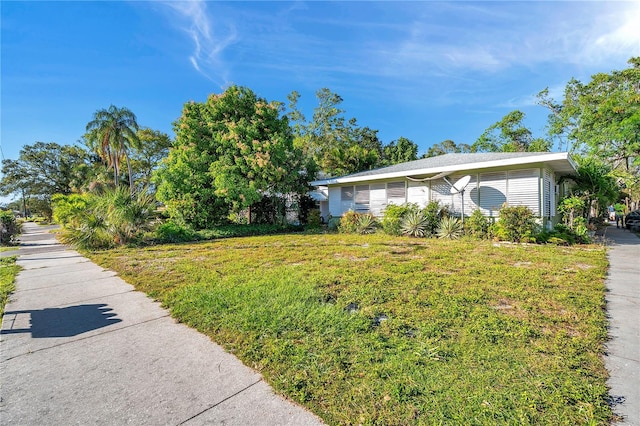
[65, 322]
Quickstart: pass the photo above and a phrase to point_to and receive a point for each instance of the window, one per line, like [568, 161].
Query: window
[362, 194]
[396, 192]
[346, 193]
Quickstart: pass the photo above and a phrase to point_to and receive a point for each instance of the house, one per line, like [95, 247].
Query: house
[515, 178]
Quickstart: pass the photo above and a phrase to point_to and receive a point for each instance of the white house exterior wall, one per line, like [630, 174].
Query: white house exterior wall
[487, 191]
[418, 193]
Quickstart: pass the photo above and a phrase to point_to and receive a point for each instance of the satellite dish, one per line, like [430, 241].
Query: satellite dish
[458, 188]
[460, 184]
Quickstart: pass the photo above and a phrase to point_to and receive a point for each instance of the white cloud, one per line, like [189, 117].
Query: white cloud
[209, 38]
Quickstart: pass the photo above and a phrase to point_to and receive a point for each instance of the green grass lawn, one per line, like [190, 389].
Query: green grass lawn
[382, 330]
[8, 272]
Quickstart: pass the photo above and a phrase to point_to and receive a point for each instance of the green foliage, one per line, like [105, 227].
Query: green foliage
[67, 208]
[563, 235]
[393, 215]
[477, 225]
[594, 184]
[399, 151]
[434, 212]
[414, 224]
[446, 147]
[112, 134]
[571, 208]
[366, 224]
[510, 135]
[333, 224]
[171, 232]
[467, 313]
[10, 228]
[600, 120]
[516, 224]
[357, 223]
[314, 220]
[8, 272]
[228, 153]
[42, 170]
[330, 142]
[112, 218]
[450, 228]
[146, 155]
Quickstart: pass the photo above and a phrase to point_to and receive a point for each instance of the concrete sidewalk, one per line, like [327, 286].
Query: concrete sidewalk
[80, 346]
[623, 308]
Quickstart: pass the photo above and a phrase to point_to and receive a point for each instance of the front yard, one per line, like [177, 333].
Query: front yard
[382, 330]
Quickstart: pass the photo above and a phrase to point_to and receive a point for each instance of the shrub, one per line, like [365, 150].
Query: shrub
[171, 232]
[314, 220]
[477, 225]
[366, 224]
[414, 224]
[393, 216]
[450, 227]
[358, 223]
[333, 224]
[516, 224]
[434, 213]
[348, 222]
[67, 208]
[107, 219]
[9, 227]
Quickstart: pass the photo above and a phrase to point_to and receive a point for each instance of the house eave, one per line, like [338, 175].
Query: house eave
[560, 162]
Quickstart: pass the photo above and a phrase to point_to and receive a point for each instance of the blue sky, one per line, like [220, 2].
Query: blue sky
[427, 71]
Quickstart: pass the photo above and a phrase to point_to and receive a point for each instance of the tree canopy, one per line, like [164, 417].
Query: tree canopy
[229, 152]
[111, 134]
[44, 169]
[510, 135]
[446, 147]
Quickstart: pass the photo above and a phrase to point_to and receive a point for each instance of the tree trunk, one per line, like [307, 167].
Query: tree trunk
[130, 174]
[115, 171]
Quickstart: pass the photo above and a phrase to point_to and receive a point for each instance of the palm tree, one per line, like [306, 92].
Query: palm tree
[111, 134]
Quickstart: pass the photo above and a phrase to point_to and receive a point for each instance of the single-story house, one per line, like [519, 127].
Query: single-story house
[515, 178]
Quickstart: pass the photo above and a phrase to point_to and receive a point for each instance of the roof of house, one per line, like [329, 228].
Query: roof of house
[560, 162]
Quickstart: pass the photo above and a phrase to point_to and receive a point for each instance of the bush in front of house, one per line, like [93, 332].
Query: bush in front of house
[394, 215]
[477, 225]
[450, 228]
[358, 223]
[414, 224]
[517, 224]
[409, 219]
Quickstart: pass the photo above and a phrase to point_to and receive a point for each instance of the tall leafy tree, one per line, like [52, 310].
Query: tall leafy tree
[146, 156]
[229, 152]
[595, 184]
[446, 147]
[400, 151]
[44, 169]
[334, 144]
[111, 134]
[510, 135]
[601, 119]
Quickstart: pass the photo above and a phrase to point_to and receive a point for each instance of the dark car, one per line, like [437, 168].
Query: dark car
[632, 220]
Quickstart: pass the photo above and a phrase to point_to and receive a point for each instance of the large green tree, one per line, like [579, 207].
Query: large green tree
[446, 147]
[510, 135]
[146, 156]
[601, 119]
[335, 145]
[229, 152]
[400, 151]
[44, 169]
[112, 134]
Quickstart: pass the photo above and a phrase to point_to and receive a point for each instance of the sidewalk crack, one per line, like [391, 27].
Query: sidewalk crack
[218, 403]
